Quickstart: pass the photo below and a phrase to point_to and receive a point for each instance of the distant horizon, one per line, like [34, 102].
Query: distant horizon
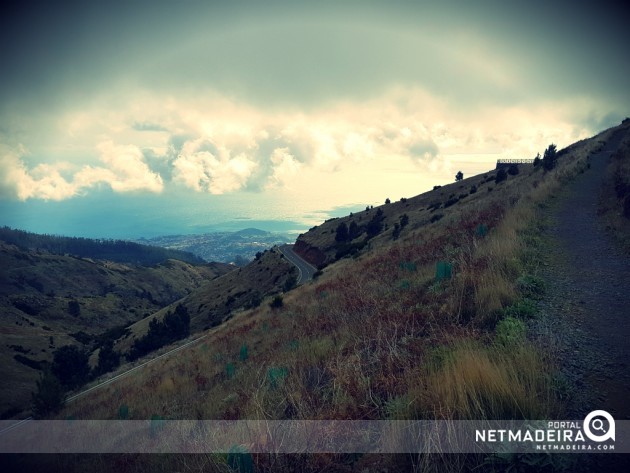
[149, 220]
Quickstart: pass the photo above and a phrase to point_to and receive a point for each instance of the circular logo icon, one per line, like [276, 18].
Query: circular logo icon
[594, 427]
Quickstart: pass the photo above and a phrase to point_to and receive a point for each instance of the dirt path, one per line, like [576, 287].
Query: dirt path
[588, 298]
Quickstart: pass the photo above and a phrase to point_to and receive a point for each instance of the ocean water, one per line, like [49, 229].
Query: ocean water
[105, 214]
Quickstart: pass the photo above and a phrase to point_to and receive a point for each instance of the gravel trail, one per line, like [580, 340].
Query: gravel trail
[588, 299]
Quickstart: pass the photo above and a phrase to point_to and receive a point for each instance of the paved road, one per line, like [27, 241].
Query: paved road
[305, 269]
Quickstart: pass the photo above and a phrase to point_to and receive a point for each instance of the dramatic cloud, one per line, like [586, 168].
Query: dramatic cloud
[125, 171]
[220, 145]
[44, 181]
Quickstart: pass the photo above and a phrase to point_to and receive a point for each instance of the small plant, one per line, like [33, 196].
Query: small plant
[157, 424]
[531, 286]
[108, 359]
[550, 157]
[523, 309]
[70, 366]
[230, 370]
[459, 176]
[443, 270]
[537, 160]
[123, 412]
[396, 231]
[276, 302]
[399, 408]
[240, 460]
[473, 189]
[290, 283]
[49, 397]
[341, 234]
[243, 355]
[450, 202]
[510, 331]
[501, 176]
[277, 375]
[408, 266]
[74, 309]
[436, 217]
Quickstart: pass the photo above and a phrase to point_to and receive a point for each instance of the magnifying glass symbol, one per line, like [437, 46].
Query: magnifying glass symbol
[598, 424]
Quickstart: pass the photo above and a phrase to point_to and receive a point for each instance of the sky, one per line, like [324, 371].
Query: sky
[130, 119]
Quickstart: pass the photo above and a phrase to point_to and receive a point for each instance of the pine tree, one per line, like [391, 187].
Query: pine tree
[50, 396]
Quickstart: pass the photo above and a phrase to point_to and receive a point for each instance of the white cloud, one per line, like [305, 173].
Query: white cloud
[125, 171]
[220, 145]
[203, 171]
[286, 167]
[44, 181]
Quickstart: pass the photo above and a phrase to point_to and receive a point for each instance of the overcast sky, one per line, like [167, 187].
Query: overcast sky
[299, 107]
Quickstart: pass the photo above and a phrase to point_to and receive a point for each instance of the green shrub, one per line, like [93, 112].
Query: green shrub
[501, 176]
[230, 370]
[123, 412]
[277, 375]
[510, 331]
[49, 397]
[408, 266]
[243, 355]
[74, 309]
[550, 157]
[523, 309]
[443, 270]
[70, 366]
[276, 302]
[531, 286]
[450, 202]
[108, 359]
[240, 460]
[342, 233]
[290, 283]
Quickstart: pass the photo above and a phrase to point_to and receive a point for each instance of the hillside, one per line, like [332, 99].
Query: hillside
[49, 300]
[219, 299]
[436, 318]
[120, 251]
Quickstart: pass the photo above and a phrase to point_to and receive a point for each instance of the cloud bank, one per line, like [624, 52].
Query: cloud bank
[218, 145]
[124, 170]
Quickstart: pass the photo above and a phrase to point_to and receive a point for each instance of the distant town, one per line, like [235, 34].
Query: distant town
[227, 247]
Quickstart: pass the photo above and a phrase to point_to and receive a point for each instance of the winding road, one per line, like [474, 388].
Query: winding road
[305, 269]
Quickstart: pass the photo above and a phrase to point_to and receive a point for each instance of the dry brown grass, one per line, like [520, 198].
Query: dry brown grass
[477, 382]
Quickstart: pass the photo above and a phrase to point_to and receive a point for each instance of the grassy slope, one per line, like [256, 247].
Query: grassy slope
[219, 299]
[377, 336]
[37, 287]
